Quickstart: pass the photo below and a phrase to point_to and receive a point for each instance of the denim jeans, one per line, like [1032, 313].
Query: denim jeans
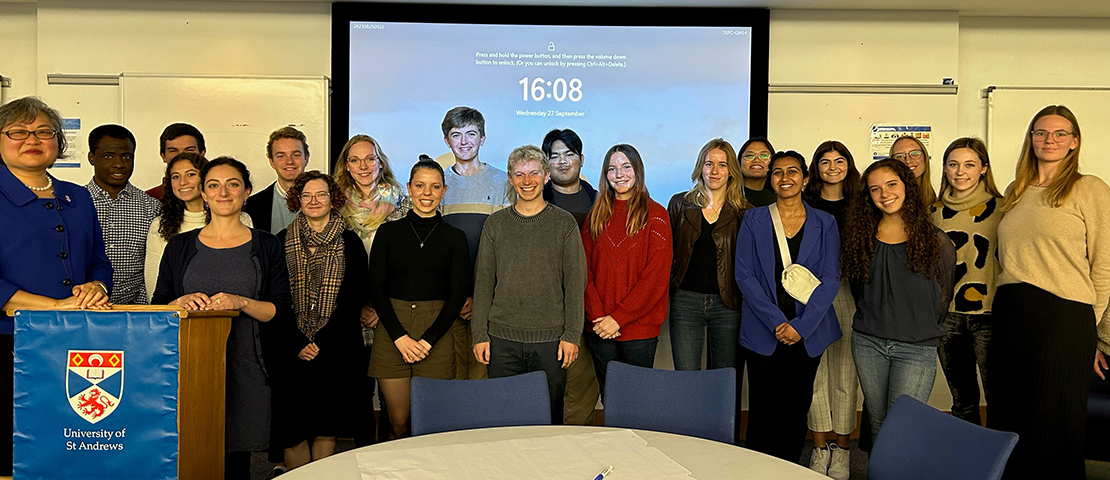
[963, 346]
[889, 369]
[633, 352]
[692, 316]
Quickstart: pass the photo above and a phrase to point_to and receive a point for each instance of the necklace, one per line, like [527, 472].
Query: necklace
[49, 184]
[714, 214]
[425, 239]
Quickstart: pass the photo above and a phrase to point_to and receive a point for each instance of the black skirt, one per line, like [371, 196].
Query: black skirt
[1040, 362]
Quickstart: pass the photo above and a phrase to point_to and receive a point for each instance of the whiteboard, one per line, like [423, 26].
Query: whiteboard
[801, 121]
[1009, 111]
[235, 114]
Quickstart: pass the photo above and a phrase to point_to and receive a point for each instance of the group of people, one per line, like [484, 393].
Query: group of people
[816, 277]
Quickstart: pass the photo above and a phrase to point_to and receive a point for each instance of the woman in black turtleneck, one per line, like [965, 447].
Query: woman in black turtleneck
[419, 269]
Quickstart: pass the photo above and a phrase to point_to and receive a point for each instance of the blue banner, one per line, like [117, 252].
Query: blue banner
[96, 395]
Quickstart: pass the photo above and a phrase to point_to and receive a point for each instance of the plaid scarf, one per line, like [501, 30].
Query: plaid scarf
[315, 277]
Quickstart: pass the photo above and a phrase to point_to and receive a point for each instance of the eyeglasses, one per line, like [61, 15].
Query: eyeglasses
[751, 156]
[319, 196]
[912, 154]
[1039, 135]
[367, 160]
[41, 134]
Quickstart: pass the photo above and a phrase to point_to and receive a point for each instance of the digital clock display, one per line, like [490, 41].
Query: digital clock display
[560, 89]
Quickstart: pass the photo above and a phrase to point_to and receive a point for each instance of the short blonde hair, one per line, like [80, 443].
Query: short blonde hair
[521, 155]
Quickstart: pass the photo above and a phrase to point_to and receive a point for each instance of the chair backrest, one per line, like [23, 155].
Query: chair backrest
[446, 405]
[695, 403]
[920, 442]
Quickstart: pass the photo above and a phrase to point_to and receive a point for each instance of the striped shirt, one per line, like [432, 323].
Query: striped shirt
[470, 199]
[125, 221]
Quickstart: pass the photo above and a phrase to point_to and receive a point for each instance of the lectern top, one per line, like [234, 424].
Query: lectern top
[146, 308]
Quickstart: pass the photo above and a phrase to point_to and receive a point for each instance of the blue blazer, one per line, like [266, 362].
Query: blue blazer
[35, 233]
[755, 273]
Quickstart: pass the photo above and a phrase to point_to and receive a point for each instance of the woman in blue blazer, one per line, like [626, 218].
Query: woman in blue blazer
[783, 338]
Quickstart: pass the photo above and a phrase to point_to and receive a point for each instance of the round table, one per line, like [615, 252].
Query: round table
[704, 459]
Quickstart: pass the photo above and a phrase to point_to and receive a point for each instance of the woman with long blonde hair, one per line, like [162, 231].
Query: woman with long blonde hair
[705, 300]
[1054, 251]
[375, 197]
[627, 239]
[911, 151]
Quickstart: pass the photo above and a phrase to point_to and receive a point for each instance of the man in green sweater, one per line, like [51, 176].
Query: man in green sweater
[529, 281]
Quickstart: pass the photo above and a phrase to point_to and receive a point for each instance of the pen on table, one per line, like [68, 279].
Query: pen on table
[601, 476]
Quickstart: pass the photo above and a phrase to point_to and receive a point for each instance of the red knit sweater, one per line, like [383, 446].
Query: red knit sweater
[628, 277]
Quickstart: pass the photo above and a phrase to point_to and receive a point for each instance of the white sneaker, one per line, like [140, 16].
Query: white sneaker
[838, 468]
[819, 461]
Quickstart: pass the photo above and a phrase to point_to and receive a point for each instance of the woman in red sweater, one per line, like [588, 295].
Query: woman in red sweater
[627, 238]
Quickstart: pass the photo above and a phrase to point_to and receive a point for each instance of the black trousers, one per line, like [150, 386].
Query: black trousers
[961, 349]
[1040, 359]
[781, 390]
[508, 358]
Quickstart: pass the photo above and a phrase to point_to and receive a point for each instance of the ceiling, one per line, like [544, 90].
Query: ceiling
[994, 8]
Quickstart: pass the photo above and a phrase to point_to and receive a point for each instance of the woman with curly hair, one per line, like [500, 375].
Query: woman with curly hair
[900, 268]
[1055, 256]
[321, 352]
[182, 210]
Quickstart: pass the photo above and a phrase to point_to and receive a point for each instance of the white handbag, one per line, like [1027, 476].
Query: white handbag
[797, 280]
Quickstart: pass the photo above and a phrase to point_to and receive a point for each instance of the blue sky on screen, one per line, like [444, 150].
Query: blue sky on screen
[678, 88]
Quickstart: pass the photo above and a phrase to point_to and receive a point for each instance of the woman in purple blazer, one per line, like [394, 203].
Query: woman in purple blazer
[783, 338]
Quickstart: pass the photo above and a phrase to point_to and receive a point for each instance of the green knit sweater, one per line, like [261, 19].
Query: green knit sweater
[972, 224]
[530, 278]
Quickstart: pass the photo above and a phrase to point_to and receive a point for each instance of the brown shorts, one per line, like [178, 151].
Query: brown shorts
[415, 317]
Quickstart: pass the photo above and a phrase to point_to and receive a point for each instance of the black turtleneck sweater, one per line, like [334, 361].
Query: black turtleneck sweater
[401, 268]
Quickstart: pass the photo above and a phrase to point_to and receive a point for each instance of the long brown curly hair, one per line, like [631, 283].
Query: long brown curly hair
[173, 209]
[858, 249]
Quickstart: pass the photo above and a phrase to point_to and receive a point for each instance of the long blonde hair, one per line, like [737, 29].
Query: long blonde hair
[1026, 171]
[343, 177]
[928, 194]
[734, 192]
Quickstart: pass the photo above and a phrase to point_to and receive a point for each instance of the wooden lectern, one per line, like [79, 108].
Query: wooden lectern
[202, 351]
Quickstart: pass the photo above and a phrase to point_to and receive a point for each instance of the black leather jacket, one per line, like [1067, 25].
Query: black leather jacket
[685, 229]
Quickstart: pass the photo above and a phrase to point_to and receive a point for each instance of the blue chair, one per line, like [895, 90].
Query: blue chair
[920, 442]
[447, 405]
[695, 403]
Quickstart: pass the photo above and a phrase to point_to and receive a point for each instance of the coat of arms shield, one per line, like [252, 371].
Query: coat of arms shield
[94, 383]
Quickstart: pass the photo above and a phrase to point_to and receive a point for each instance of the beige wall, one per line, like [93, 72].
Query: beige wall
[188, 37]
[840, 47]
